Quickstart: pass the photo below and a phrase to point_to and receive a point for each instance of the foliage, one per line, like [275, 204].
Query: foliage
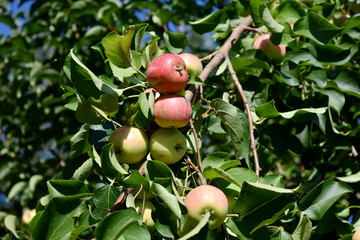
[305, 113]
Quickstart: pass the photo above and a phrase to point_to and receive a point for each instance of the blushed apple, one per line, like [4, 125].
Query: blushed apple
[193, 63]
[167, 145]
[272, 51]
[167, 73]
[28, 215]
[144, 208]
[130, 144]
[172, 110]
[207, 198]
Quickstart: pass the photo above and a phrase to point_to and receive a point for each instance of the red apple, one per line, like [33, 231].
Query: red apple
[272, 51]
[130, 144]
[193, 63]
[167, 145]
[207, 198]
[167, 73]
[172, 110]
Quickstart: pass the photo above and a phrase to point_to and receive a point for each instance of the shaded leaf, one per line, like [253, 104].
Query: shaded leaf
[104, 198]
[316, 202]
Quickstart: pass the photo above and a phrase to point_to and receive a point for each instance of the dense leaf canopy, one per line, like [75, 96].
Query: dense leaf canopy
[280, 138]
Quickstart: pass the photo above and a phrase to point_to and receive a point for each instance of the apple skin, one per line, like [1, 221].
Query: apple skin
[207, 197]
[272, 51]
[192, 62]
[167, 145]
[167, 73]
[146, 213]
[356, 235]
[172, 110]
[130, 144]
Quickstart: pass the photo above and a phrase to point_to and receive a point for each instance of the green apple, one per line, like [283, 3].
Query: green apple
[130, 144]
[167, 145]
[193, 63]
[144, 208]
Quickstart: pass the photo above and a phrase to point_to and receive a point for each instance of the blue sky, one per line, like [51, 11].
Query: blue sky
[14, 9]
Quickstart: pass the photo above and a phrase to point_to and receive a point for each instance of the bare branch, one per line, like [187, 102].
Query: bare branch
[248, 111]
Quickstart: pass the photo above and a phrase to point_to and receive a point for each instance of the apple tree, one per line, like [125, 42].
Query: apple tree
[261, 143]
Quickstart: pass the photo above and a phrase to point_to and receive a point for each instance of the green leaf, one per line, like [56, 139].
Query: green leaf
[168, 198]
[135, 179]
[204, 220]
[79, 143]
[57, 219]
[87, 113]
[62, 188]
[336, 99]
[16, 189]
[236, 124]
[209, 23]
[82, 172]
[10, 224]
[86, 82]
[350, 178]
[34, 180]
[156, 169]
[264, 204]
[144, 104]
[303, 229]
[212, 173]
[273, 180]
[175, 42]
[9, 20]
[215, 160]
[269, 21]
[243, 64]
[281, 235]
[117, 48]
[140, 30]
[104, 198]
[289, 12]
[123, 224]
[316, 28]
[268, 110]
[107, 103]
[346, 82]
[316, 202]
[109, 162]
[256, 7]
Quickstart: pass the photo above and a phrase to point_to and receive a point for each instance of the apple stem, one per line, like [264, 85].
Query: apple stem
[199, 173]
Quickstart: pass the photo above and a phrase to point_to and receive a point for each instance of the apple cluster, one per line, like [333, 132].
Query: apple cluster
[168, 75]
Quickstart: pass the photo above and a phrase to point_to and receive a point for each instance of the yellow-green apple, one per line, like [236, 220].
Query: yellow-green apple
[144, 208]
[356, 235]
[167, 73]
[207, 198]
[272, 51]
[193, 63]
[172, 110]
[130, 144]
[167, 145]
[28, 215]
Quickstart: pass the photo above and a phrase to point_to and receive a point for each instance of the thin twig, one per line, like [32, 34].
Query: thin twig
[196, 144]
[201, 176]
[209, 57]
[248, 111]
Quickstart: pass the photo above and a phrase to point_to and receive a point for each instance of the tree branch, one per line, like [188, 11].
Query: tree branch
[248, 111]
[201, 176]
[216, 58]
